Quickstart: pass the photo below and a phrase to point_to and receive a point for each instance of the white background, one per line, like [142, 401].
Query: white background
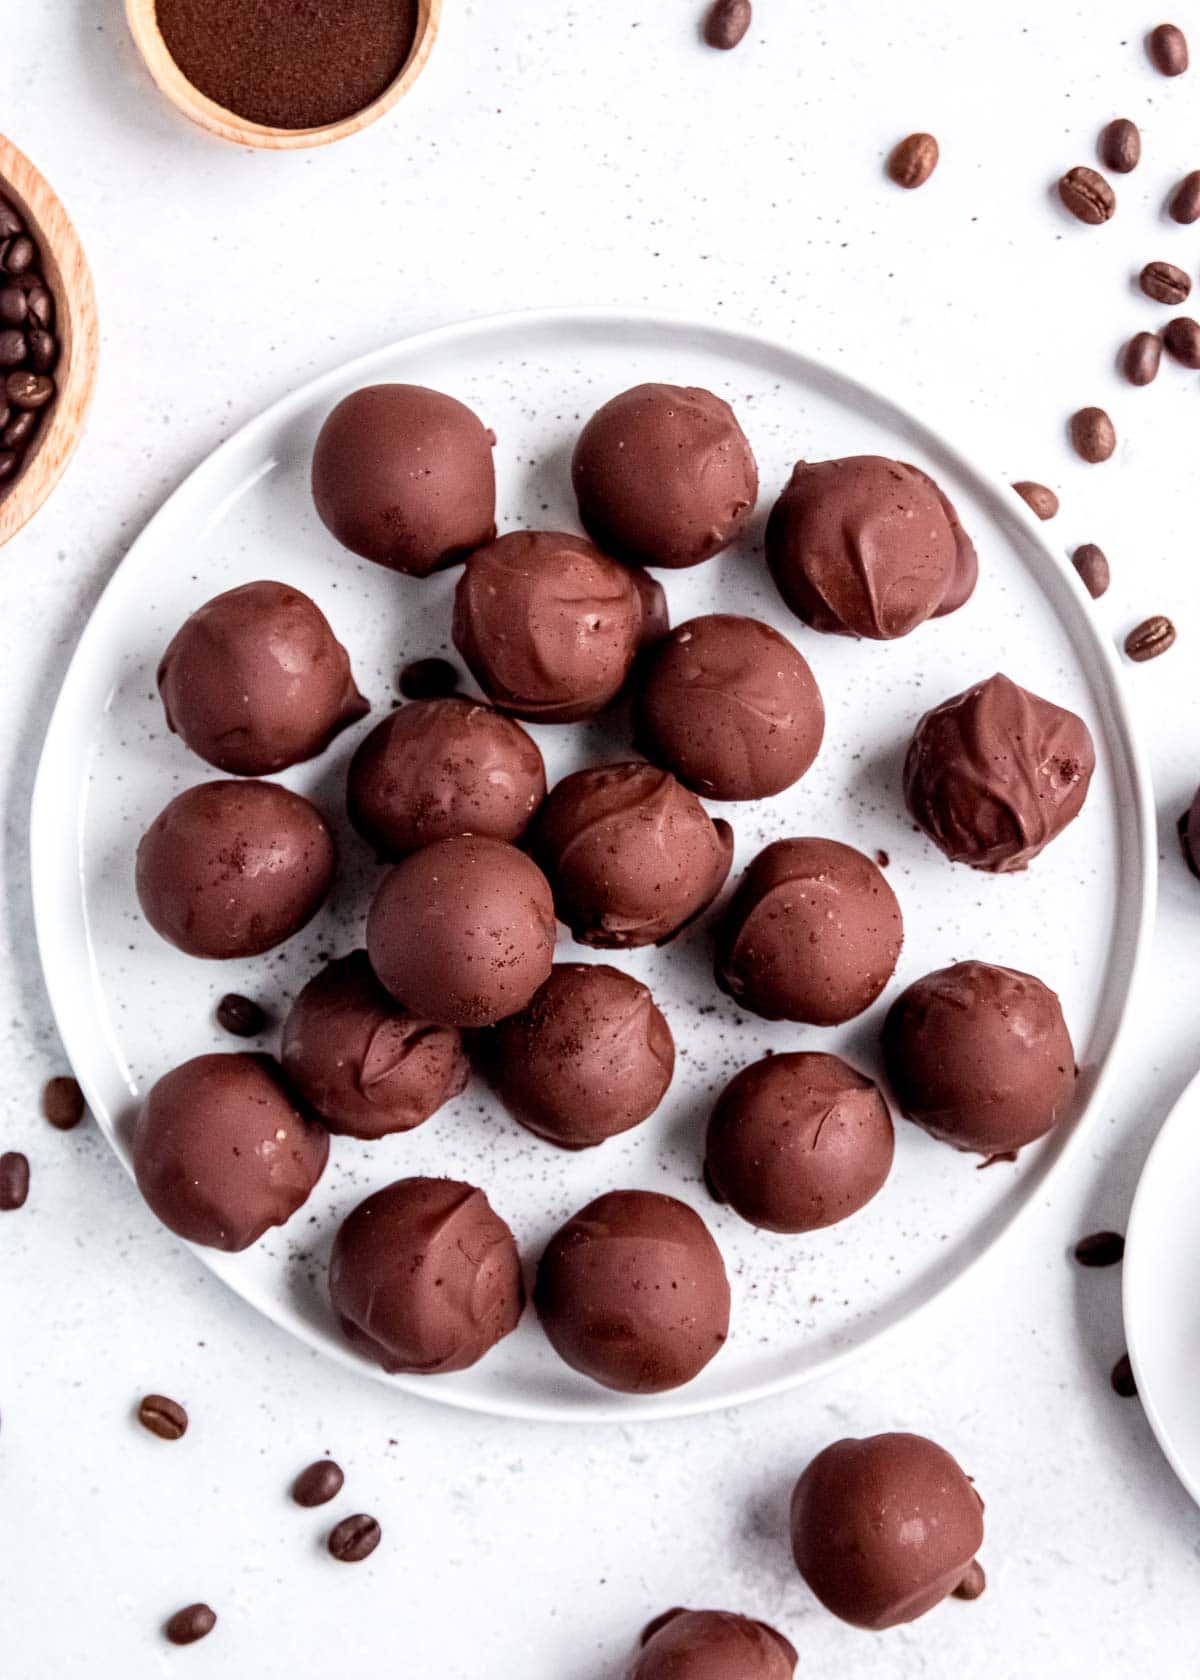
[576, 154]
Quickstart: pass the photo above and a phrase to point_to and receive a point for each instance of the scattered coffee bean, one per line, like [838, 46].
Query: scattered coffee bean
[10, 223]
[1039, 497]
[1168, 49]
[14, 1181]
[1182, 339]
[18, 255]
[1087, 195]
[1153, 636]
[14, 347]
[62, 1102]
[43, 350]
[19, 429]
[973, 1583]
[8, 464]
[1141, 358]
[882, 858]
[428, 679]
[354, 1538]
[40, 305]
[1092, 565]
[1093, 434]
[28, 390]
[914, 160]
[162, 1417]
[192, 1623]
[1120, 146]
[1184, 203]
[317, 1485]
[1102, 1248]
[241, 1016]
[1165, 283]
[1122, 1378]
[727, 23]
[14, 306]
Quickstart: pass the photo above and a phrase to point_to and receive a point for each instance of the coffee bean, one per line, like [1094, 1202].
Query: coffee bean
[1152, 637]
[973, 1583]
[1102, 1248]
[727, 23]
[18, 255]
[8, 464]
[1184, 203]
[14, 348]
[162, 1417]
[317, 1485]
[1039, 497]
[40, 304]
[914, 160]
[428, 679]
[1165, 283]
[1168, 49]
[194, 1622]
[1141, 358]
[1182, 339]
[14, 306]
[1120, 146]
[354, 1538]
[1123, 1379]
[43, 350]
[1093, 434]
[19, 429]
[241, 1016]
[10, 223]
[1092, 565]
[28, 390]
[62, 1102]
[14, 1181]
[1087, 195]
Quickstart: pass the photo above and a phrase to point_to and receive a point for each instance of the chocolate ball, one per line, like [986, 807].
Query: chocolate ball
[811, 934]
[994, 774]
[424, 1276]
[664, 476]
[798, 1141]
[590, 1056]
[864, 547]
[222, 1151]
[632, 1292]
[550, 626]
[256, 680]
[980, 1057]
[437, 768]
[403, 475]
[231, 869]
[966, 560]
[358, 1057]
[463, 932]
[884, 1528]
[712, 1645]
[631, 854]
[730, 706]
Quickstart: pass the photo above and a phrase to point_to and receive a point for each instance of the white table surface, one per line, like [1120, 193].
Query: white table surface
[571, 153]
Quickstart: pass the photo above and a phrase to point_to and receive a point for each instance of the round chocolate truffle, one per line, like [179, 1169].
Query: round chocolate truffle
[424, 1276]
[403, 475]
[632, 1292]
[589, 1057]
[980, 1057]
[811, 934]
[712, 1645]
[222, 1151]
[664, 476]
[996, 773]
[361, 1060]
[230, 869]
[463, 932]
[884, 1528]
[256, 680]
[550, 626]
[631, 854]
[730, 706]
[798, 1141]
[864, 547]
[966, 561]
[437, 768]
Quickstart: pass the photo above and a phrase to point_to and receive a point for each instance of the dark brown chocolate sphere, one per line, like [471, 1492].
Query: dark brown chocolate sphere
[222, 1151]
[864, 547]
[730, 706]
[590, 1056]
[996, 773]
[437, 768]
[230, 869]
[256, 680]
[463, 932]
[632, 1292]
[980, 1057]
[403, 475]
[631, 854]
[424, 1276]
[550, 626]
[361, 1060]
[664, 476]
[811, 934]
[712, 1645]
[798, 1141]
[884, 1528]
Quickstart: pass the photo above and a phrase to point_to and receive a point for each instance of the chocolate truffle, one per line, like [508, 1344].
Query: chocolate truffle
[462, 932]
[436, 768]
[994, 774]
[664, 476]
[730, 706]
[632, 1292]
[230, 869]
[798, 1141]
[712, 1645]
[864, 547]
[256, 680]
[222, 1151]
[966, 561]
[631, 854]
[884, 1528]
[811, 934]
[550, 626]
[361, 1060]
[589, 1057]
[404, 476]
[980, 1056]
[424, 1276]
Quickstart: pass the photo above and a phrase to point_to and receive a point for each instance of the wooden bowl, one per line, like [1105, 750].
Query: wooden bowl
[69, 278]
[143, 21]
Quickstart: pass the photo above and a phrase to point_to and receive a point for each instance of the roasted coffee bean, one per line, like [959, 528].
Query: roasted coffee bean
[10, 223]
[428, 679]
[162, 1417]
[14, 347]
[1092, 565]
[241, 1016]
[1102, 1248]
[193, 1622]
[14, 1181]
[914, 160]
[1123, 1379]
[1141, 358]
[28, 390]
[354, 1538]
[19, 429]
[62, 1102]
[1039, 497]
[43, 350]
[1153, 636]
[1120, 146]
[14, 306]
[973, 1583]
[18, 255]
[1168, 49]
[1087, 195]
[726, 23]
[1165, 283]
[1093, 434]
[40, 304]
[8, 464]
[1182, 339]
[1184, 203]
[318, 1484]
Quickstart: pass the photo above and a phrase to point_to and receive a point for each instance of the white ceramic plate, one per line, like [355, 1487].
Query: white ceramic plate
[129, 1006]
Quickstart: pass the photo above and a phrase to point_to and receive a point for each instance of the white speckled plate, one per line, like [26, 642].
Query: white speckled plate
[129, 1006]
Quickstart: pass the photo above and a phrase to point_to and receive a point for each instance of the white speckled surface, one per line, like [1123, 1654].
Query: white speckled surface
[562, 155]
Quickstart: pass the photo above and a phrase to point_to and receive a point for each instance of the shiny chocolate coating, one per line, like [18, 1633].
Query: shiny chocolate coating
[966, 561]
[712, 1645]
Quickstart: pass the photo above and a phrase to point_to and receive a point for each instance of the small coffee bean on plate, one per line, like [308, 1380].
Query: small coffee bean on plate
[1152, 637]
[1087, 195]
[354, 1538]
[1093, 434]
[1182, 339]
[1168, 49]
[14, 1181]
[428, 679]
[14, 347]
[28, 390]
[1165, 283]
[1102, 1248]
[318, 1484]
[241, 1016]
[162, 1417]
[1092, 565]
[194, 1621]
[17, 255]
[14, 306]
[1123, 1380]
[726, 23]
[1183, 205]
[19, 429]
[1141, 356]
[914, 160]
[62, 1102]
[1039, 497]
[973, 1584]
[1120, 146]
